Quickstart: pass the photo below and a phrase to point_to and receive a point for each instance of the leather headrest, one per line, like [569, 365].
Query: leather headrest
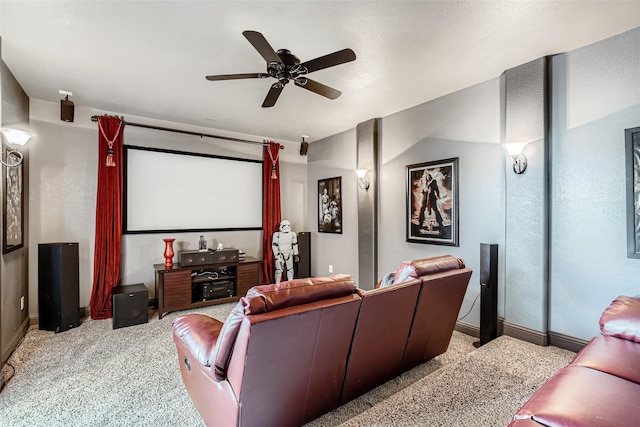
[261, 299]
[622, 319]
[439, 264]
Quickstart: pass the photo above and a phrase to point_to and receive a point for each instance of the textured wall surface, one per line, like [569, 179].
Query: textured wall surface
[526, 199]
[368, 137]
[596, 96]
[13, 266]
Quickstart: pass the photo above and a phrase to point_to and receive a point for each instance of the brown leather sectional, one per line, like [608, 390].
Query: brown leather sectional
[291, 352]
[601, 385]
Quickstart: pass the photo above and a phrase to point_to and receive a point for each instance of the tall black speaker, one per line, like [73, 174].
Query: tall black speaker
[58, 286]
[488, 292]
[303, 266]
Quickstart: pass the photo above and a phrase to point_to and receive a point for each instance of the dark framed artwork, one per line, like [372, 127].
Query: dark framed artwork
[632, 146]
[12, 206]
[330, 205]
[432, 202]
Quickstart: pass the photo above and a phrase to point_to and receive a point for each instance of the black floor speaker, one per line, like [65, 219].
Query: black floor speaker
[129, 305]
[488, 293]
[302, 268]
[58, 286]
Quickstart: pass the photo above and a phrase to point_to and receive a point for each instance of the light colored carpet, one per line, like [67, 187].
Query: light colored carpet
[94, 375]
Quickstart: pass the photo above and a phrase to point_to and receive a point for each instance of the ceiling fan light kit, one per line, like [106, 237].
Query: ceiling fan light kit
[285, 66]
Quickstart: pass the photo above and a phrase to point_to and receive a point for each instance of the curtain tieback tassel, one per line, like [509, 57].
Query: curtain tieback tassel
[110, 163]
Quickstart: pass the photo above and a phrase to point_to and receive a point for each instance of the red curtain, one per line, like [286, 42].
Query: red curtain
[106, 262]
[271, 208]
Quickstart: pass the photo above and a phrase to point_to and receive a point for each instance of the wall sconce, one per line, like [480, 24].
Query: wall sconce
[363, 179]
[519, 159]
[14, 137]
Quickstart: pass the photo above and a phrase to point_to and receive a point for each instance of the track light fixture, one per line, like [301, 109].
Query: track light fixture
[304, 146]
[66, 107]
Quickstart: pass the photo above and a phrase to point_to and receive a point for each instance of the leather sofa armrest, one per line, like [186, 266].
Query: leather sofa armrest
[622, 319]
[199, 333]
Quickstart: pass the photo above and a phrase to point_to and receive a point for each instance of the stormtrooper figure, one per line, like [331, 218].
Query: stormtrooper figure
[285, 250]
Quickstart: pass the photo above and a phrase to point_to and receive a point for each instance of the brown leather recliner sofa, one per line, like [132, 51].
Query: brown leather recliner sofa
[291, 352]
[601, 385]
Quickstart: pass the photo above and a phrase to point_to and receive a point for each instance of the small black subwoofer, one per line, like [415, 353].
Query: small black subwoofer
[129, 305]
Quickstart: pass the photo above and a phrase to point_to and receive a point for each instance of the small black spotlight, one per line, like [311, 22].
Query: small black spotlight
[304, 146]
[66, 109]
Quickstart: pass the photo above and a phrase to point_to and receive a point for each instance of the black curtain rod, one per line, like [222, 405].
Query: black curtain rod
[187, 132]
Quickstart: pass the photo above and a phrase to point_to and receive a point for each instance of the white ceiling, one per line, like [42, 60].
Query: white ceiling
[150, 58]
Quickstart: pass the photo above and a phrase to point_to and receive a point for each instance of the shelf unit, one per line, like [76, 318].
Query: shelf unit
[180, 288]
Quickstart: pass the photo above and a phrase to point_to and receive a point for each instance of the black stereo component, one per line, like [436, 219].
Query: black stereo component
[219, 289]
[130, 305]
[211, 256]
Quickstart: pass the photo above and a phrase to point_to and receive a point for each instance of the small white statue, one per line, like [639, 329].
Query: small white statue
[285, 250]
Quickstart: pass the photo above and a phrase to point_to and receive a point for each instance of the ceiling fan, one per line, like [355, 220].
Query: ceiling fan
[285, 66]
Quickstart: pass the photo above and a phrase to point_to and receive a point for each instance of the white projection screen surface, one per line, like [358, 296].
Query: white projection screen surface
[179, 191]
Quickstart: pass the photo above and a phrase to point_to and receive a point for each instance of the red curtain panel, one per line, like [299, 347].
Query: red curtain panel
[106, 263]
[271, 208]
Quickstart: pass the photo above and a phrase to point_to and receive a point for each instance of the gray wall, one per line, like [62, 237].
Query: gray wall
[329, 158]
[561, 226]
[63, 192]
[596, 96]
[13, 266]
[465, 124]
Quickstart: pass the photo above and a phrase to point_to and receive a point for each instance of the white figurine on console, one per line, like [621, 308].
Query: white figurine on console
[285, 250]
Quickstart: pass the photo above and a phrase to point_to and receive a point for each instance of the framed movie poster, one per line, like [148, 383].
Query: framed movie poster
[632, 145]
[432, 202]
[330, 205]
[12, 206]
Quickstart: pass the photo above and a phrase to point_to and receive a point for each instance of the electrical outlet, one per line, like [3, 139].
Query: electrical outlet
[21, 303]
[330, 268]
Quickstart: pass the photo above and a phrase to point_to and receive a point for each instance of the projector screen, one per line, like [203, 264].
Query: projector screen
[177, 191]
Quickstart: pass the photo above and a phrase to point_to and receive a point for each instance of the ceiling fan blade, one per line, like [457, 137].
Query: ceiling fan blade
[262, 46]
[272, 96]
[318, 88]
[335, 58]
[237, 76]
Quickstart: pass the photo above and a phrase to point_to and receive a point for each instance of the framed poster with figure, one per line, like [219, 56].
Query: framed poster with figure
[330, 205]
[632, 146]
[432, 202]
[12, 205]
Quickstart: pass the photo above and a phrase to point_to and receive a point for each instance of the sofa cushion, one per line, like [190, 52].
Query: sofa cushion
[622, 319]
[579, 396]
[611, 355]
[405, 272]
